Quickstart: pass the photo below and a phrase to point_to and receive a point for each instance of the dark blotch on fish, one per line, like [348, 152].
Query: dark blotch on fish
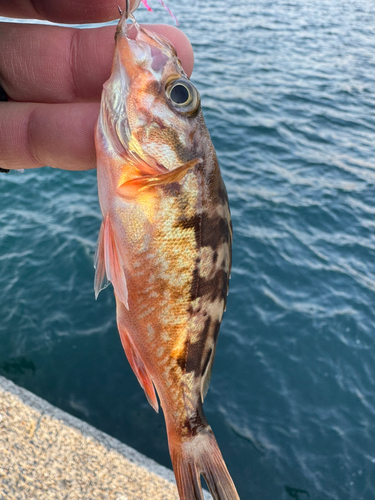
[196, 423]
[215, 230]
[192, 223]
[195, 350]
[212, 288]
[209, 231]
[194, 288]
[181, 360]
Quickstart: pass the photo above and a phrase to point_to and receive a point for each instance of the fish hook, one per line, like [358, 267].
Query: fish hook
[126, 14]
[127, 9]
[121, 26]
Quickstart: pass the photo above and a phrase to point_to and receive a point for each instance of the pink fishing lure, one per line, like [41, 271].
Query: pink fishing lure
[165, 7]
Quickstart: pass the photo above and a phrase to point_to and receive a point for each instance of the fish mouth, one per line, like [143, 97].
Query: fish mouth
[159, 49]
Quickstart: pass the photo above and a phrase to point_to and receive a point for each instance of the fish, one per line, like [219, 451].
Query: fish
[164, 243]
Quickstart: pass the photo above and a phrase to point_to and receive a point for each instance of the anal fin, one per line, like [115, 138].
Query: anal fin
[139, 368]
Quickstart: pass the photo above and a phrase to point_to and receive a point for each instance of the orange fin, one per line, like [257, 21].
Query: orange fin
[100, 281]
[131, 188]
[144, 167]
[200, 455]
[109, 264]
[139, 368]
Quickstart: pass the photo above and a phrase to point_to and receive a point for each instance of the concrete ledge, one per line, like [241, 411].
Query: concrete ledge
[46, 453]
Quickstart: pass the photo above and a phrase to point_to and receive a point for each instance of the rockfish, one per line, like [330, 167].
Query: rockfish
[165, 244]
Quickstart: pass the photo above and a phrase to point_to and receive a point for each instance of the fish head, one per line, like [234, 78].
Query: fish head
[155, 109]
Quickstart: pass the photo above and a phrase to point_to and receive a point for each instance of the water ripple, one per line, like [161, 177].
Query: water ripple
[288, 95]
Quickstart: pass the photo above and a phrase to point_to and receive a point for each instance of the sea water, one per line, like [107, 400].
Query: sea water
[287, 90]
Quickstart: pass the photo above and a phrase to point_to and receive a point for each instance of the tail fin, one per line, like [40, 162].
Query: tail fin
[200, 454]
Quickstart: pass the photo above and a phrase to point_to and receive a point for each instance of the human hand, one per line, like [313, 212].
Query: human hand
[53, 77]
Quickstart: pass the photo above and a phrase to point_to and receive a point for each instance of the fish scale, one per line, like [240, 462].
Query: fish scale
[165, 244]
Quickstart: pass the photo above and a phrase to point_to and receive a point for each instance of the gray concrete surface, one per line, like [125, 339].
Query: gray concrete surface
[46, 453]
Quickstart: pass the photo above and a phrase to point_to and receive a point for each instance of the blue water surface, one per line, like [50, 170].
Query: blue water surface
[288, 93]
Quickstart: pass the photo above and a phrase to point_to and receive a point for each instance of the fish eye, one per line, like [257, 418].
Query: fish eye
[180, 94]
[183, 96]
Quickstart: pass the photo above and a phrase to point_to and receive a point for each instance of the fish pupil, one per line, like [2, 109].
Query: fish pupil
[179, 94]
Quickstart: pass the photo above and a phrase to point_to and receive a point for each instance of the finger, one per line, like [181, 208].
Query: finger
[54, 64]
[63, 11]
[60, 135]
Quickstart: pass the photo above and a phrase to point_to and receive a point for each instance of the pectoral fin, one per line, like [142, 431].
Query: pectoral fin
[130, 189]
[109, 264]
[145, 168]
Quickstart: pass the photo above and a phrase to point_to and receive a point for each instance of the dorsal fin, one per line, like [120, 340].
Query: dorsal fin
[207, 372]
